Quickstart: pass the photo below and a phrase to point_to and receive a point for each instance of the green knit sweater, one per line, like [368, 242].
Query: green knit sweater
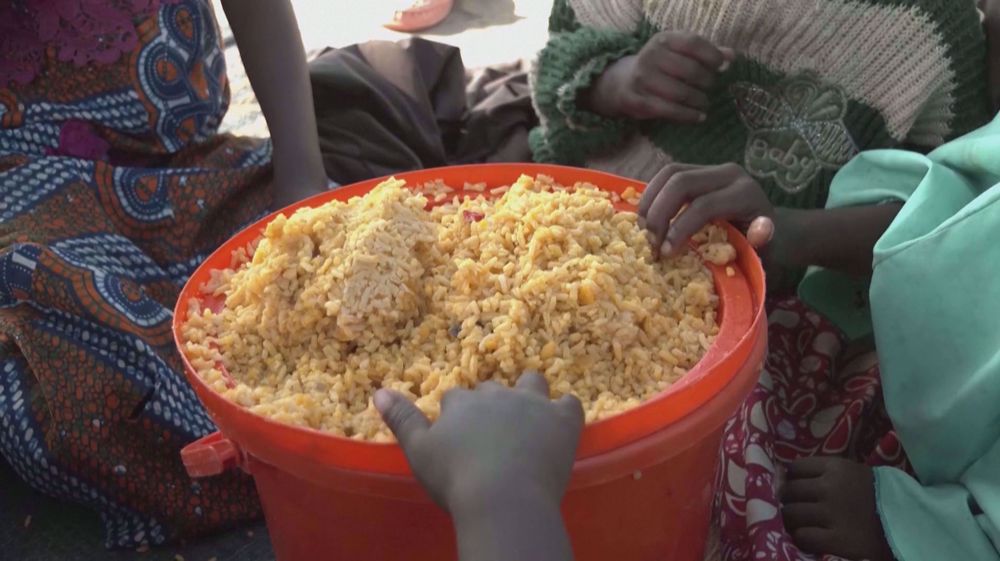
[816, 82]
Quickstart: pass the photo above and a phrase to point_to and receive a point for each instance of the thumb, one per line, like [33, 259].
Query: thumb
[404, 419]
[761, 232]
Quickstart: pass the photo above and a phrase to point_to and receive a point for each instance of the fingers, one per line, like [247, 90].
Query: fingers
[814, 540]
[808, 468]
[654, 187]
[688, 70]
[761, 231]
[682, 187]
[801, 491]
[490, 386]
[697, 48]
[683, 199]
[533, 382]
[713, 205]
[649, 106]
[674, 90]
[404, 419]
[450, 396]
[805, 515]
[674, 71]
[571, 406]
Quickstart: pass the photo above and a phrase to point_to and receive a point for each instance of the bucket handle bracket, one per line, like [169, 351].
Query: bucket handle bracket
[212, 455]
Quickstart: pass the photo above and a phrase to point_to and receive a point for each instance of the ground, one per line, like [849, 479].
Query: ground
[487, 31]
[35, 528]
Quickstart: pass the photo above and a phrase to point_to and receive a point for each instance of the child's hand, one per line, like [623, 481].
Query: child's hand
[829, 508]
[666, 80]
[491, 444]
[724, 192]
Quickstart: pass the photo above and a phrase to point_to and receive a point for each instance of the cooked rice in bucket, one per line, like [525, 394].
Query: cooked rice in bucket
[340, 300]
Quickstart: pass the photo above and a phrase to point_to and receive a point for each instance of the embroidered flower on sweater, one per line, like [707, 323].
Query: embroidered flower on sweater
[796, 129]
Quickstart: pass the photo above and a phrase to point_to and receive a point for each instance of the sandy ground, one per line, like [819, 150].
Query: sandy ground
[487, 31]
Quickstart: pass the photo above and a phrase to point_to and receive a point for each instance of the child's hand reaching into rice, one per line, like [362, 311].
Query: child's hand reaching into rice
[498, 460]
[841, 239]
[725, 192]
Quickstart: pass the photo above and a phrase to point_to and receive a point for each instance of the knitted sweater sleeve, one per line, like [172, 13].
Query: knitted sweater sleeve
[575, 55]
[960, 102]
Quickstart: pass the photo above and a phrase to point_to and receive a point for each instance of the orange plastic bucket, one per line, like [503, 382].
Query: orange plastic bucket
[642, 483]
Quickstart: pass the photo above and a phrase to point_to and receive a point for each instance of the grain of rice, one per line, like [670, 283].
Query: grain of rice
[631, 196]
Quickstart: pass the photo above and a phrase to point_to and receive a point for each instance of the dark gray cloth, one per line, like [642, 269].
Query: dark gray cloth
[384, 108]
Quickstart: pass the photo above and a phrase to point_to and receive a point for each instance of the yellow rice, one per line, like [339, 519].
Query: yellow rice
[340, 300]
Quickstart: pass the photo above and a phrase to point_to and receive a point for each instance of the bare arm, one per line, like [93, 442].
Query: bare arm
[841, 239]
[268, 38]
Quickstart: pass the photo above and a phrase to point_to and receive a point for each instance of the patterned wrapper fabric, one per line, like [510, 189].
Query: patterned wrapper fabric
[809, 402]
[114, 185]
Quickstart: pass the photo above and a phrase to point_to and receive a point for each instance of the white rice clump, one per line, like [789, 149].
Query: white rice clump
[341, 300]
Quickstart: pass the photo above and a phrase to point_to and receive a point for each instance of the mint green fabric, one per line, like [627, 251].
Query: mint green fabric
[935, 308]
[929, 523]
[873, 177]
[839, 297]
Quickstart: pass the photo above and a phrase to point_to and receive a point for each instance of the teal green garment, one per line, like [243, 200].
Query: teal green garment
[935, 310]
